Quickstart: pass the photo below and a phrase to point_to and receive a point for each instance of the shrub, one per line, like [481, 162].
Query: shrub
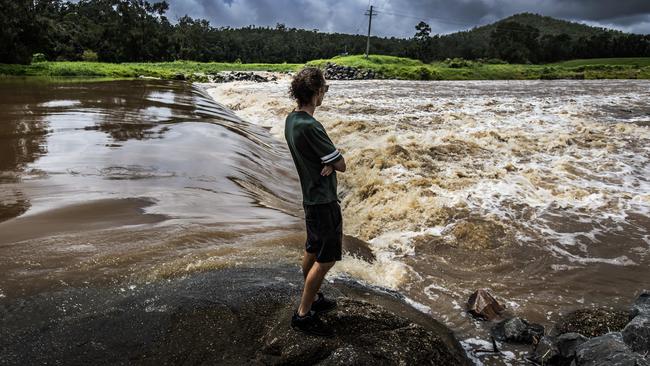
[457, 63]
[424, 73]
[38, 57]
[89, 56]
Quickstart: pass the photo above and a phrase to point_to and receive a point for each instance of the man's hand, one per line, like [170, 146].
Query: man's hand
[327, 170]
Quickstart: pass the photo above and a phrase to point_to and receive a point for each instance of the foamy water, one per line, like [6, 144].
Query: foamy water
[537, 190]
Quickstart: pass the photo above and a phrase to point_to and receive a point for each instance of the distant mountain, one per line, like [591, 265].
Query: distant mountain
[531, 37]
[545, 25]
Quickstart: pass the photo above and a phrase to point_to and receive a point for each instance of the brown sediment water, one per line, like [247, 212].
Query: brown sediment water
[128, 181]
[536, 190]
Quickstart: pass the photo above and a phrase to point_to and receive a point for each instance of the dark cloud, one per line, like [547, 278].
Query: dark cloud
[398, 17]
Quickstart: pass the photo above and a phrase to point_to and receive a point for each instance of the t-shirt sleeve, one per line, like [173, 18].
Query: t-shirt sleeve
[322, 145]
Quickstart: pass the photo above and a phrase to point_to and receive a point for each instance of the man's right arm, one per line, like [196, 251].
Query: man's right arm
[339, 164]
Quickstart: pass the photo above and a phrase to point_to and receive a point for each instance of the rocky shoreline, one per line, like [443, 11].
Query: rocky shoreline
[230, 316]
[583, 337]
[331, 71]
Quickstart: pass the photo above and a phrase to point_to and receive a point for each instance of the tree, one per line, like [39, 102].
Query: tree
[515, 42]
[423, 31]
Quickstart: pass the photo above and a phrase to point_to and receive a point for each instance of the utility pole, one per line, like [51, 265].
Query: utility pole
[369, 13]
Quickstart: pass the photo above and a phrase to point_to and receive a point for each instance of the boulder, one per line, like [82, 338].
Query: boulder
[517, 330]
[482, 304]
[546, 352]
[366, 334]
[607, 350]
[636, 334]
[641, 305]
[568, 343]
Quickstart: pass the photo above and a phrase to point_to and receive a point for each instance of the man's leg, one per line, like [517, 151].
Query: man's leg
[312, 284]
[307, 261]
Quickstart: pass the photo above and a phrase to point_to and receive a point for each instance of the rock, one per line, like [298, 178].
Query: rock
[483, 305]
[228, 76]
[546, 352]
[591, 322]
[339, 72]
[559, 351]
[641, 305]
[636, 334]
[358, 248]
[517, 330]
[232, 316]
[179, 76]
[607, 350]
[366, 334]
[567, 344]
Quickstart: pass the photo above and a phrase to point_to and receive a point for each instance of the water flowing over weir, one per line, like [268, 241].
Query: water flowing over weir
[537, 190]
[134, 180]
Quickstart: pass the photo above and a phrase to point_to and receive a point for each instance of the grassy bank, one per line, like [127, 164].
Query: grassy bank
[164, 70]
[388, 66]
[458, 69]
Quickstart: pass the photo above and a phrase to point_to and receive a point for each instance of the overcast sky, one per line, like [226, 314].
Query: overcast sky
[398, 17]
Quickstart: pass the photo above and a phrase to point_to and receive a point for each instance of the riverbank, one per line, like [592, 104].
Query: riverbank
[385, 67]
[230, 316]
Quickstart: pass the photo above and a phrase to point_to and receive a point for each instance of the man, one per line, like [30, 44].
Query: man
[317, 160]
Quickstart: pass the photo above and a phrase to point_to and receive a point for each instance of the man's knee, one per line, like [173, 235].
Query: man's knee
[324, 266]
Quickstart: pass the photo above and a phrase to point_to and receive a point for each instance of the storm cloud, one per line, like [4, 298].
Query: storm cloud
[398, 17]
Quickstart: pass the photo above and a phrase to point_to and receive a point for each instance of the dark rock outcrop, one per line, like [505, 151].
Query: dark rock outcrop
[228, 76]
[636, 333]
[517, 330]
[340, 72]
[367, 334]
[558, 350]
[641, 305]
[607, 350]
[232, 316]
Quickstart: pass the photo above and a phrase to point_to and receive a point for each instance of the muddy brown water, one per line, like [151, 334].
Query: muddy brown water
[124, 182]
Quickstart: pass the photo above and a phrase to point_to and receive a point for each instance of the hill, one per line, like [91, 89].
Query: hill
[546, 26]
[534, 38]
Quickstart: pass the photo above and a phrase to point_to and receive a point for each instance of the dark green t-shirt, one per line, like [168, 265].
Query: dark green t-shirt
[311, 149]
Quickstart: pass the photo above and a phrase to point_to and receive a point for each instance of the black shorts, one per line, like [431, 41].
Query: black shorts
[324, 231]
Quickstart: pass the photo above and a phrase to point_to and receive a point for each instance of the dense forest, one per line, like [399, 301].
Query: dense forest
[138, 30]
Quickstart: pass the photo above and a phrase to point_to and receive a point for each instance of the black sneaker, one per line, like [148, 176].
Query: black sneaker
[310, 324]
[323, 305]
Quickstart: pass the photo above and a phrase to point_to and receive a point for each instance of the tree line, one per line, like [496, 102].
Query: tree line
[139, 30]
[515, 42]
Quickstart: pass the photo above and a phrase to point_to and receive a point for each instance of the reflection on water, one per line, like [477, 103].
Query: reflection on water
[168, 159]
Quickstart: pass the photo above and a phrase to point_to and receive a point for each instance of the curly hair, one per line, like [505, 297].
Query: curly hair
[305, 84]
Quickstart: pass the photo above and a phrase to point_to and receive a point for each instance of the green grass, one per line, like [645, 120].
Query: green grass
[164, 70]
[389, 67]
[401, 68]
[631, 61]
